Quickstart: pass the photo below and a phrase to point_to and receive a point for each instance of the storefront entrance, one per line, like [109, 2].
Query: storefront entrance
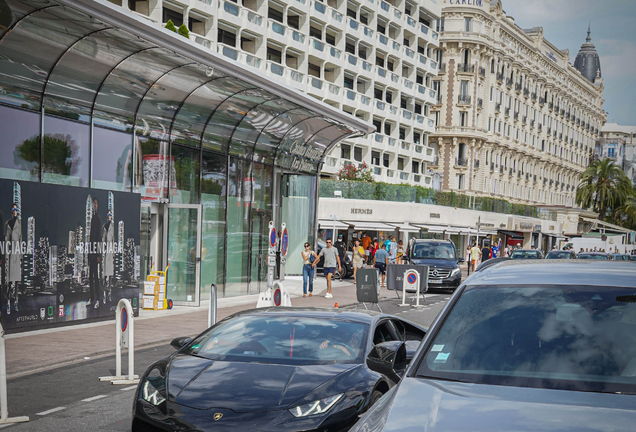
[183, 246]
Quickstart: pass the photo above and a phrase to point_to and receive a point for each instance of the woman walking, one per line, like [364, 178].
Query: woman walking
[358, 258]
[309, 257]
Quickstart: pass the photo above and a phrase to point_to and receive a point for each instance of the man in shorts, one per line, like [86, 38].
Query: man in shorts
[381, 260]
[474, 255]
[332, 258]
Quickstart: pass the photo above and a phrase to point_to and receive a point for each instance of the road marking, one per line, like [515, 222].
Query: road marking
[43, 413]
[94, 398]
[128, 388]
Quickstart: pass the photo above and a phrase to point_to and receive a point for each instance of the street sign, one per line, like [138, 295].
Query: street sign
[124, 327]
[285, 243]
[272, 237]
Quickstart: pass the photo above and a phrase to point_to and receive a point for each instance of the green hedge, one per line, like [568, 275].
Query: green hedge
[418, 194]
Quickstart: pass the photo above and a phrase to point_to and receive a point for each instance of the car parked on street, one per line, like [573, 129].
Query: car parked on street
[545, 345]
[277, 369]
[526, 254]
[594, 256]
[442, 260]
[561, 254]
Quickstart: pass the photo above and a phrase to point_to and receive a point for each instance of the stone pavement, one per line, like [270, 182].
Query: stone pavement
[42, 350]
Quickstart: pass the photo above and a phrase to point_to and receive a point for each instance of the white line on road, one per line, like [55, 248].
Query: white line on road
[43, 413]
[94, 398]
[128, 388]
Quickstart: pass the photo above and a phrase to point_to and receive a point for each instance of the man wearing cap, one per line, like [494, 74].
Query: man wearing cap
[13, 237]
[108, 239]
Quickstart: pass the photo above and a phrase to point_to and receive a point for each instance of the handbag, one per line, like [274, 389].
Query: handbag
[312, 258]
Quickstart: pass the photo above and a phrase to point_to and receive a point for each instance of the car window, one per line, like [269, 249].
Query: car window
[282, 340]
[581, 338]
[407, 331]
[383, 333]
[434, 250]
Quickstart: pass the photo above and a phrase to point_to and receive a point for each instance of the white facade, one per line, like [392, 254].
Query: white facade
[515, 119]
[371, 58]
[617, 143]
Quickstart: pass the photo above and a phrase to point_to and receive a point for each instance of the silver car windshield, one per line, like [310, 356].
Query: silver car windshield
[282, 340]
[574, 338]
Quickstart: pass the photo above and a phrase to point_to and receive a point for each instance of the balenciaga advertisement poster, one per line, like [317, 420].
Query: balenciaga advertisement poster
[66, 253]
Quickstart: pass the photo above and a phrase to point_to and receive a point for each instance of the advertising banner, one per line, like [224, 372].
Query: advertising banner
[66, 253]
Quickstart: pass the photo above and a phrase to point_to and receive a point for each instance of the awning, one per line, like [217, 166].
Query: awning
[94, 63]
[607, 225]
[404, 227]
[329, 224]
[513, 234]
[432, 228]
[371, 226]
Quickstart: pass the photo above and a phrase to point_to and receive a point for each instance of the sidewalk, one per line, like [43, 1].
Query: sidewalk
[37, 351]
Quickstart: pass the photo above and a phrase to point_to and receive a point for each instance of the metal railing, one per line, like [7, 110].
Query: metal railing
[463, 99]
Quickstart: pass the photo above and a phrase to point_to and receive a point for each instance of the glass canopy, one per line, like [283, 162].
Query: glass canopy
[66, 62]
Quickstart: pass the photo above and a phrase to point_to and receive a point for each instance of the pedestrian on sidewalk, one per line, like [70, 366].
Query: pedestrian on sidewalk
[309, 257]
[474, 253]
[468, 254]
[332, 258]
[366, 243]
[342, 248]
[392, 250]
[358, 258]
[381, 260]
[400, 252]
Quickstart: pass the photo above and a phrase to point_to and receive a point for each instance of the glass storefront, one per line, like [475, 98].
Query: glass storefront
[86, 104]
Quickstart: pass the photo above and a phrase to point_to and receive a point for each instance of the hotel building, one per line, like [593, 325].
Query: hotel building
[515, 119]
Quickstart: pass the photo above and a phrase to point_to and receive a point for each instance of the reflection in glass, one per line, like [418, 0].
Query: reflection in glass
[65, 159]
[239, 200]
[182, 253]
[151, 171]
[29, 52]
[213, 188]
[20, 144]
[261, 216]
[112, 159]
[297, 211]
[186, 163]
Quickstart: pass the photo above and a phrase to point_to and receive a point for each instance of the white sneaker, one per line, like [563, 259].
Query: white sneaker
[328, 295]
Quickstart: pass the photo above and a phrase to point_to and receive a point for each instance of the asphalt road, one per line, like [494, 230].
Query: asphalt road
[73, 399]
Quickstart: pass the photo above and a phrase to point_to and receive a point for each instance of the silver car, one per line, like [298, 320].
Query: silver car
[544, 345]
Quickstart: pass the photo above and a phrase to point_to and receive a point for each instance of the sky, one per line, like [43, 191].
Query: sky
[613, 24]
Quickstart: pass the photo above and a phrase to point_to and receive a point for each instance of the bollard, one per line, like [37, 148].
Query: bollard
[212, 309]
[124, 336]
[4, 411]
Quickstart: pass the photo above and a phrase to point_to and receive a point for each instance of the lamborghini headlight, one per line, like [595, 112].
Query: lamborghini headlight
[319, 406]
[153, 388]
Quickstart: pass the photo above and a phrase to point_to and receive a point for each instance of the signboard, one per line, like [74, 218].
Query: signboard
[285, 242]
[395, 276]
[60, 249]
[272, 237]
[124, 327]
[367, 289]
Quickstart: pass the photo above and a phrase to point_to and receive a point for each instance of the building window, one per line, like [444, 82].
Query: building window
[468, 24]
[375, 158]
[416, 137]
[402, 133]
[387, 128]
[385, 160]
[415, 167]
[463, 118]
[401, 164]
[348, 83]
[345, 151]
[463, 88]
[460, 181]
[489, 125]
[378, 125]
[226, 37]
[357, 154]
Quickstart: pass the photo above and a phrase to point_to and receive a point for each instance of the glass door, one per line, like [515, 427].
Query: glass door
[260, 244]
[184, 253]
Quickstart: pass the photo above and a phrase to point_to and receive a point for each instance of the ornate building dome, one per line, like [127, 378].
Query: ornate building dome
[587, 60]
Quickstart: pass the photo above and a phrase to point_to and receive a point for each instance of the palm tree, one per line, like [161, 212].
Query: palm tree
[603, 186]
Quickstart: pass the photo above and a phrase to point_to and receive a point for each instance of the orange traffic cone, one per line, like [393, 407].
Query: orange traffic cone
[336, 305]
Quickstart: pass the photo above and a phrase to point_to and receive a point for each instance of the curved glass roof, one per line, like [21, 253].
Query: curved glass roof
[80, 64]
